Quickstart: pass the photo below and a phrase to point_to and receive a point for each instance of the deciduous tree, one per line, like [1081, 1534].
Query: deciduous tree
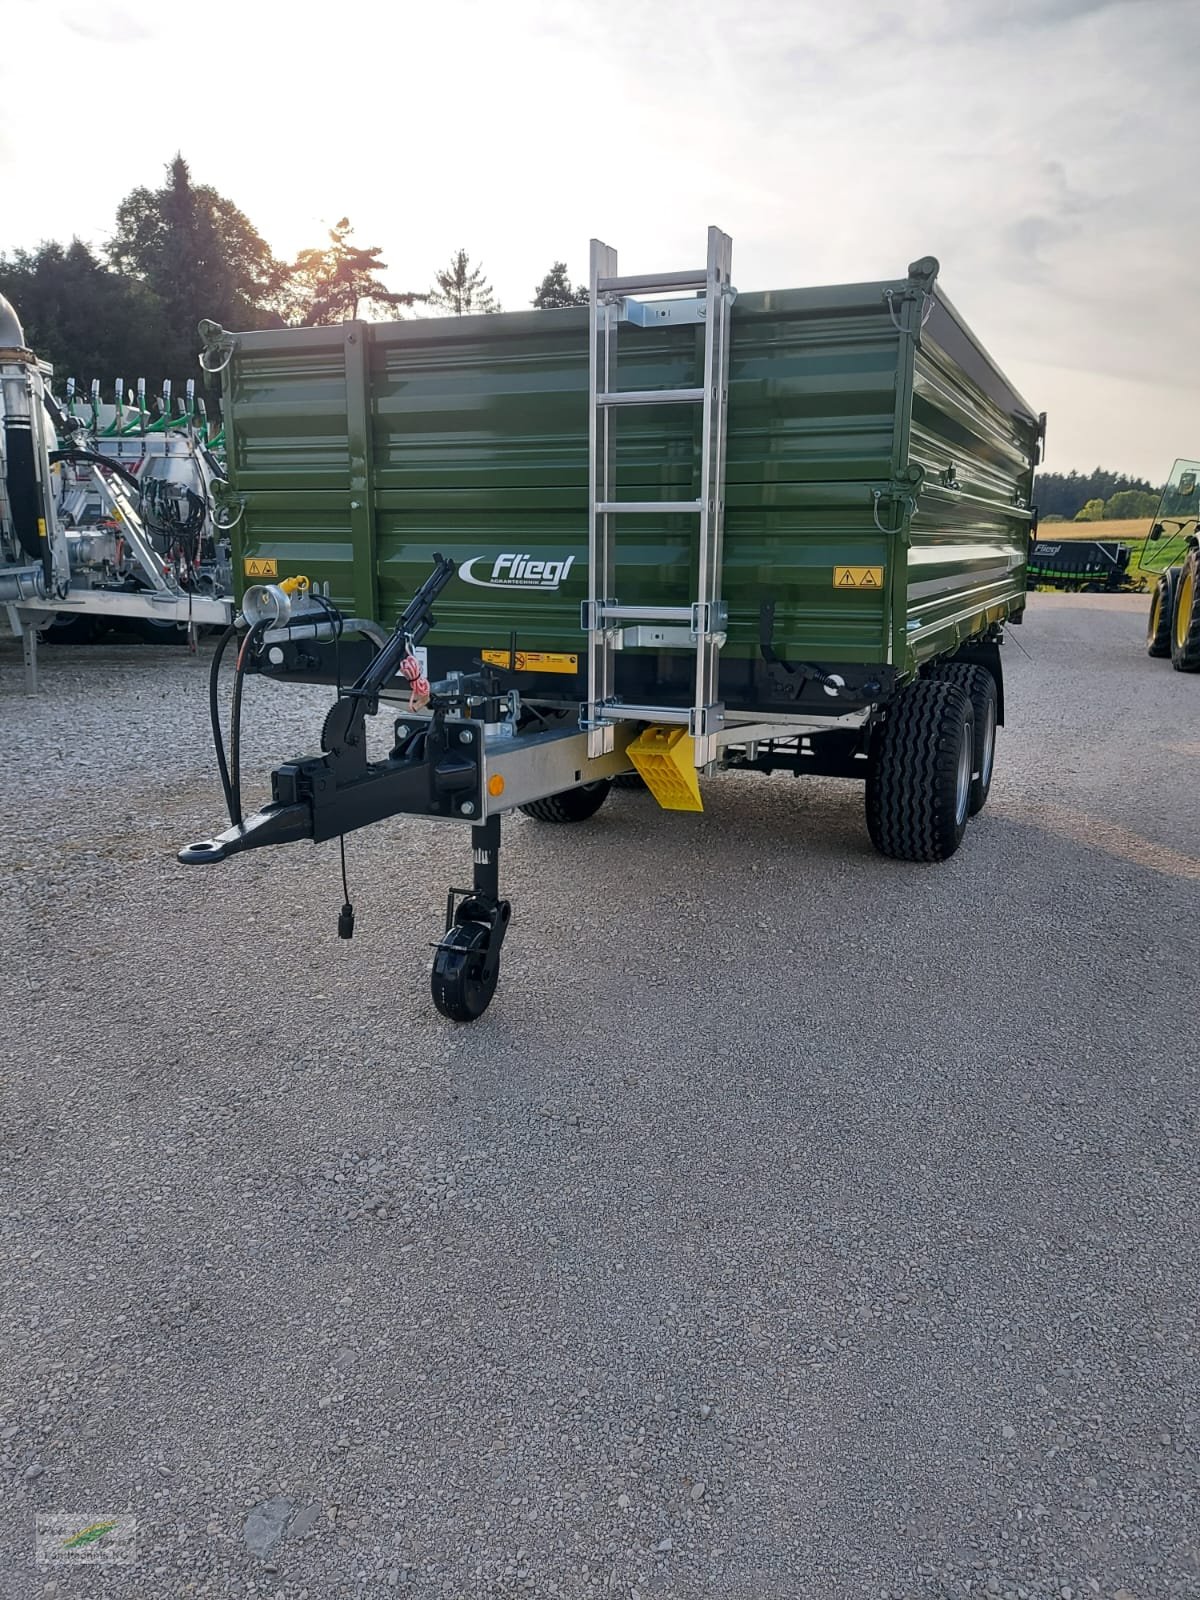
[1131, 503]
[87, 321]
[200, 256]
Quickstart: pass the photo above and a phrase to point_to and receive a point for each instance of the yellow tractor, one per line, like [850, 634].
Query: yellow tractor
[1174, 626]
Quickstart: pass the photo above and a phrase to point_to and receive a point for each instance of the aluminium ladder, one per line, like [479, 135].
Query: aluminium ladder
[701, 623]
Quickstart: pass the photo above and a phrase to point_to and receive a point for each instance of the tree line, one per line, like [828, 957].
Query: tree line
[183, 252]
[1094, 496]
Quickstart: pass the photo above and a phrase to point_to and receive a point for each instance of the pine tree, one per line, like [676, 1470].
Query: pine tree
[555, 290]
[333, 284]
[462, 289]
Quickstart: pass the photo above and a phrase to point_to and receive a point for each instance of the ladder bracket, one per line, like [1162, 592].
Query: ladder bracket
[654, 637]
[709, 617]
[706, 721]
[665, 313]
[662, 313]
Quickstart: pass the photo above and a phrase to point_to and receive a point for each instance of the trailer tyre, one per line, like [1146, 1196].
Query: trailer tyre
[980, 687]
[919, 782]
[1185, 618]
[572, 805]
[71, 628]
[629, 780]
[151, 631]
[1162, 611]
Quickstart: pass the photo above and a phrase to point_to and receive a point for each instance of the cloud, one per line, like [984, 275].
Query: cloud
[1044, 150]
[106, 24]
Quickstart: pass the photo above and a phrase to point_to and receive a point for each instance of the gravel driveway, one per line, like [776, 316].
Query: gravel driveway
[795, 1224]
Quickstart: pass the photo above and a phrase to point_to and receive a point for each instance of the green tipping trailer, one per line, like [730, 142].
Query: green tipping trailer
[678, 529]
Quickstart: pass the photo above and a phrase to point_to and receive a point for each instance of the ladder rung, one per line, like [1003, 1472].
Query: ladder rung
[614, 710]
[650, 397]
[648, 508]
[653, 283]
[646, 613]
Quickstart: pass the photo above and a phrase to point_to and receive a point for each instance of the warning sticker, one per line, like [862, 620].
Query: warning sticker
[531, 661]
[261, 567]
[858, 577]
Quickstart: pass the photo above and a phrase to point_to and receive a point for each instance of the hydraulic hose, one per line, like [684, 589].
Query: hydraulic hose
[100, 461]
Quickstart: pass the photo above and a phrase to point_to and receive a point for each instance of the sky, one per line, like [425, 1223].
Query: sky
[1046, 151]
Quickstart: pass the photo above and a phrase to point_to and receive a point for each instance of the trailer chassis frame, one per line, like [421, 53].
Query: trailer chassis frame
[458, 761]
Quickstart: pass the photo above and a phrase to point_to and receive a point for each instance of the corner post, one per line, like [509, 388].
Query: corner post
[29, 654]
[360, 449]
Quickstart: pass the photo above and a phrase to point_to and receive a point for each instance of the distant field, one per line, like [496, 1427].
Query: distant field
[1133, 528]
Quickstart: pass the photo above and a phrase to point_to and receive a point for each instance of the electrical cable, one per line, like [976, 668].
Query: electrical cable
[345, 921]
[235, 722]
[214, 715]
[338, 623]
[230, 767]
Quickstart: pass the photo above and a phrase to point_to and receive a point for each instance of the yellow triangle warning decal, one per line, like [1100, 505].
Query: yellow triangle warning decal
[858, 577]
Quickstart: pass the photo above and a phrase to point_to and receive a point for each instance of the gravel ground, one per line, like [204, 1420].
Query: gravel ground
[795, 1224]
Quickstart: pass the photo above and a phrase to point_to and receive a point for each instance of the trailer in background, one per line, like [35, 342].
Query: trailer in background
[1093, 566]
[106, 511]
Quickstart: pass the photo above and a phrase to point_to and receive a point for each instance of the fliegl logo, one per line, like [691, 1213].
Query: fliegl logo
[515, 571]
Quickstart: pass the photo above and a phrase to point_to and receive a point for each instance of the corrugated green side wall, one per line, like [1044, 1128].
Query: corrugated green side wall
[359, 451]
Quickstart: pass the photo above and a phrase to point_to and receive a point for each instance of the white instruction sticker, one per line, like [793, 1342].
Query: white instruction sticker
[421, 652]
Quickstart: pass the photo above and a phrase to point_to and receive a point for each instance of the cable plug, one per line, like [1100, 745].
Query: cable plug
[346, 921]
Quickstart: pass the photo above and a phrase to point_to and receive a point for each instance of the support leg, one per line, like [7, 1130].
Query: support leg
[29, 652]
[485, 844]
[466, 964]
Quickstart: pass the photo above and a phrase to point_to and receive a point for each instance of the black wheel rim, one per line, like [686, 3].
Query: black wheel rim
[989, 744]
[460, 990]
[962, 782]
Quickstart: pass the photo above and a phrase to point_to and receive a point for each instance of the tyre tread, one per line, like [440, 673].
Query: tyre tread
[1185, 657]
[572, 805]
[913, 767]
[979, 686]
[1158, 643]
